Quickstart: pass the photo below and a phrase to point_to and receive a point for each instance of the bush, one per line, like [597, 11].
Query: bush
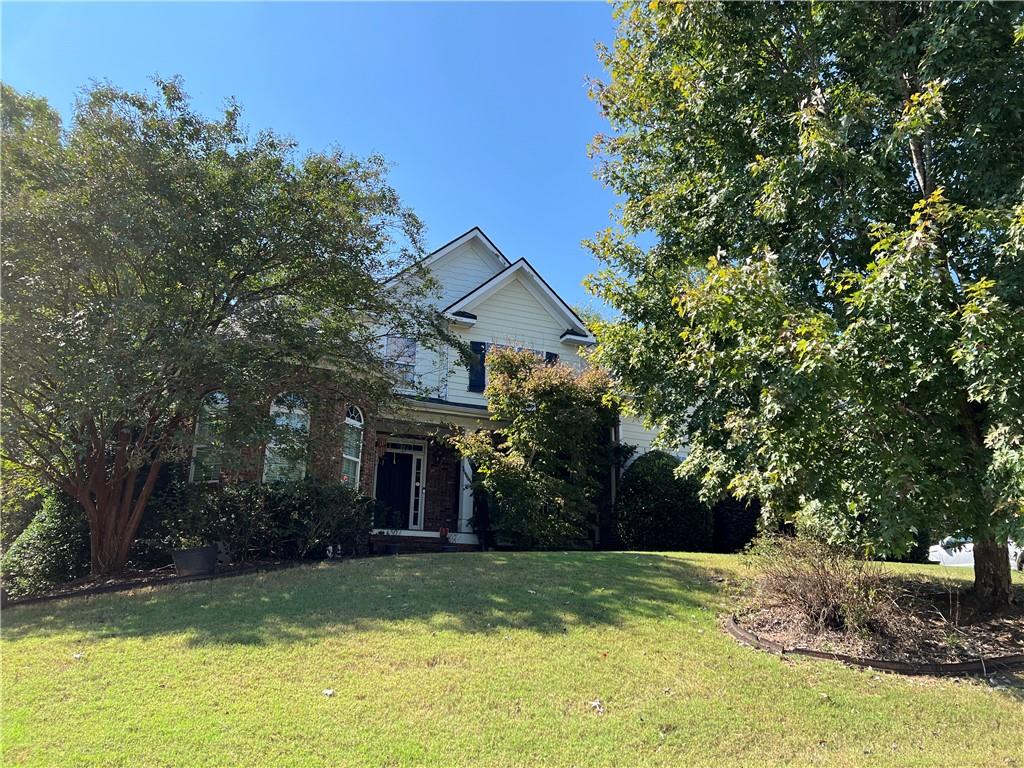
[735, 525]
[253, 521]
[824, 587]
[52, 550]
[657, 510]
[21, 499]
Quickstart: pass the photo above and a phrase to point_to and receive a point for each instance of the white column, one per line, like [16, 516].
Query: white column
[465, 496]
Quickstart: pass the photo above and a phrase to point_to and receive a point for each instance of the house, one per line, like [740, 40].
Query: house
[401, 458]
[489, 300]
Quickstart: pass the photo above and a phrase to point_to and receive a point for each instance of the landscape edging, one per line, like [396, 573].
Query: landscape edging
[936, 669]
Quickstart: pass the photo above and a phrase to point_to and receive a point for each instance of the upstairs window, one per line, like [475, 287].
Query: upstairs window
[400, 353]
[284, 459]
[352, 447]
[206, 446]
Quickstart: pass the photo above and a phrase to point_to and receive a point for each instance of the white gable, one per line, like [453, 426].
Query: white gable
[494, 302]
[462, 269]
[524, 274]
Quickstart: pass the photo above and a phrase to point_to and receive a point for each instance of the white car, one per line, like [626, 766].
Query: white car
[957, 551]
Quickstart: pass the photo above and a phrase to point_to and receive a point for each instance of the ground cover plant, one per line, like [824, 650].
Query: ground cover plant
[466, 659]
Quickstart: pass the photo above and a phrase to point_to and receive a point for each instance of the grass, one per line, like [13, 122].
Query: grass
[462, 659]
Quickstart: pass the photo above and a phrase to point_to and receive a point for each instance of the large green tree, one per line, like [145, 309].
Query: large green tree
[818, 266]
[150, 255]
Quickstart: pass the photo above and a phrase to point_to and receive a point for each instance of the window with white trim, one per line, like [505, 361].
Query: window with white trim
[400, 352]
[352, 447]
[206, 445]
[284, 459]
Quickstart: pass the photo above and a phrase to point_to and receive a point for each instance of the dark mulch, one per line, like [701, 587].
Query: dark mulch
[930, 625]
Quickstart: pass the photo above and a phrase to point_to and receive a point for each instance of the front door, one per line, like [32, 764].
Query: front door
[394, 483]
[400, 483]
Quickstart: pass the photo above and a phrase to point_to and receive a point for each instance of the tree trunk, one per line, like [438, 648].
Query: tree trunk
[114, 519]
[991, 574]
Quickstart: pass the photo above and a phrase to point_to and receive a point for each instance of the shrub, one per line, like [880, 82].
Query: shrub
[657, 510]
[823, 586]
[21, 498]
[52, 550]
[735, 524]
[280, 520]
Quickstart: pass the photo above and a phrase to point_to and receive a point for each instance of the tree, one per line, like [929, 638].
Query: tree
[832, 311]
[545, 462]
[151, 255]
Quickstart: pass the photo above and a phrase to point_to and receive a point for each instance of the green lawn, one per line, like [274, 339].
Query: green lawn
[462, 659]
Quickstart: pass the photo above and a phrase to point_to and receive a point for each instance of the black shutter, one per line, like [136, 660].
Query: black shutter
[477, 371]
[550, 358]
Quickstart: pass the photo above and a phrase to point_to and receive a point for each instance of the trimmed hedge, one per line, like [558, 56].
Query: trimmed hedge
[656, 510]
[285, 521]
[52, 550]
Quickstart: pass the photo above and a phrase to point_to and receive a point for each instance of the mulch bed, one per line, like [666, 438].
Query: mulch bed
[932, 628]
[129, 580]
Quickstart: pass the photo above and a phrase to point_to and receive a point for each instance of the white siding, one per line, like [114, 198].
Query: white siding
[462, 270]
[632, 432]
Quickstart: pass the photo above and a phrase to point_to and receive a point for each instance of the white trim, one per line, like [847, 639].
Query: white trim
[535, 285]
[358, 424]
[577, 340]
[465, 494]
[422, 457]
[468, 322]
[208, 400]
[455, 538]
[474, 234]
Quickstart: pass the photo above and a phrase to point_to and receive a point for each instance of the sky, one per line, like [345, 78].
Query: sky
[481, 108]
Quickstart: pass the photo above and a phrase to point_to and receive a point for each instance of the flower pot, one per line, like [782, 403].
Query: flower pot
[198, 561]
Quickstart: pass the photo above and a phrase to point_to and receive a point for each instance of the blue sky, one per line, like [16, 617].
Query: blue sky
[482, 108]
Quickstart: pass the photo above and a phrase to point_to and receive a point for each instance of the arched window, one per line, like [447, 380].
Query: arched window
[285, 456]
[206, 445]
[352, 447]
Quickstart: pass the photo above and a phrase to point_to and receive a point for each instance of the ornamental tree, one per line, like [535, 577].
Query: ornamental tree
[545, 462]
[831, 313]
[151, 255]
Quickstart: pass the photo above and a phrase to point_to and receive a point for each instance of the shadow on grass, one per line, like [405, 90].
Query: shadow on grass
[467, 593]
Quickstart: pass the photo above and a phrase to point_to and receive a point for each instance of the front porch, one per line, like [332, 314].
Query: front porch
[425, 492]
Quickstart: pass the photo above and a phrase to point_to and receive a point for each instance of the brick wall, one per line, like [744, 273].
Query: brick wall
[442, 507]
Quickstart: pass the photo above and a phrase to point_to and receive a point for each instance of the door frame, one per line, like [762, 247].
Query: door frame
[418, 450]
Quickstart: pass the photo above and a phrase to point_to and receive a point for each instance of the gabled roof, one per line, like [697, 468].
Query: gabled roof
[472, 234]
[576, 329]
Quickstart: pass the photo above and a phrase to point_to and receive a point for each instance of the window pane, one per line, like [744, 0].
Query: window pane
[281, 468]
[283, 459]
[206, 465]
[350, 472]
[352, 442]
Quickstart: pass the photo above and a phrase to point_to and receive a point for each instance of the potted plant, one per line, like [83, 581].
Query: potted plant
[188, 532]
[192, 557]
